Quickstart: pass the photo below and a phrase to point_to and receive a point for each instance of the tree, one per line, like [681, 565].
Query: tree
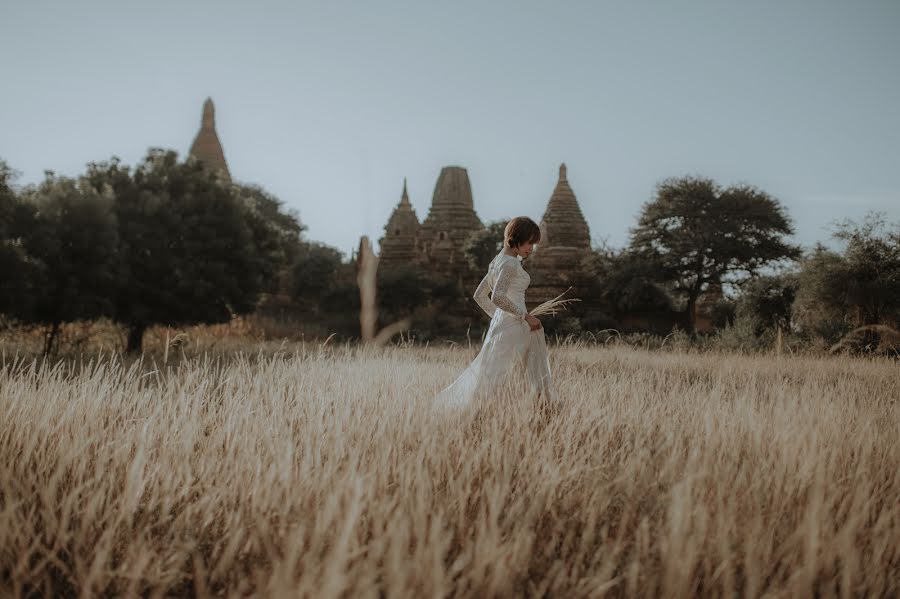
[314, 274]
[626, 281]
[277, 234]
[819, 307]
[401, 291]
[872, 256]
[188, 252]
[767, 301]
[15, 264]
[483, 245]
[342, 299]
[697, 233]
[73, 240]
[856, 287]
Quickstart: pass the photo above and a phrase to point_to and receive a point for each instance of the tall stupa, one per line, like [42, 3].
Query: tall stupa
[565, 236]
[565, 242]
[206, 147]
[450, 221]
[398, 246]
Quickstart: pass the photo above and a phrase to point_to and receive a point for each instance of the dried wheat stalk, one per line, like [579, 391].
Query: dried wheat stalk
[554, 306]
[368, 311]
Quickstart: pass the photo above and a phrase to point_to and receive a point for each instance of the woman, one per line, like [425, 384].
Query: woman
[514, 351]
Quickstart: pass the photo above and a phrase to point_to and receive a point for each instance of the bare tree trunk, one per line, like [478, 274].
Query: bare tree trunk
[368, 311]
[135, 337]
[779, 339]
[52, 334]
[690, 316]
[365, 278]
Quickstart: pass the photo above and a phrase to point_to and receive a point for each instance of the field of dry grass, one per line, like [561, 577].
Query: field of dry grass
[324, 472]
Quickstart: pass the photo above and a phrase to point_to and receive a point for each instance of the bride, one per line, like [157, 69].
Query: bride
[514, 352]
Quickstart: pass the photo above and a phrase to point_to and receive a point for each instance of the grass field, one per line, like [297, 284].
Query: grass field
[324, 472]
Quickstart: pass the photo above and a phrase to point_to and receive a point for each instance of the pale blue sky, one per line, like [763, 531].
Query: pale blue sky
[330, 105]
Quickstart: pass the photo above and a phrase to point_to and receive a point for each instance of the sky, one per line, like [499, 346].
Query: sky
[330, 104]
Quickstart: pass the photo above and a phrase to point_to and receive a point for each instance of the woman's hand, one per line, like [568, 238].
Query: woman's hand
[533, 322]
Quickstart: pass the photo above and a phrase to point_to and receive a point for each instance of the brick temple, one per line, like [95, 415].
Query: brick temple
[206, 147]
[438, 241]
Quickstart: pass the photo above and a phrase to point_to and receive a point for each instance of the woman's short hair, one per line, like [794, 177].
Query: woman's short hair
[521, 230]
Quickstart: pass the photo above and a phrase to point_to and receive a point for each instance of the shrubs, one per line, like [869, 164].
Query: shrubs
[878, 340]
[856, 287]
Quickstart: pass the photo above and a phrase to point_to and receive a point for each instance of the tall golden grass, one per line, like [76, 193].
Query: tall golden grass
[326, 473]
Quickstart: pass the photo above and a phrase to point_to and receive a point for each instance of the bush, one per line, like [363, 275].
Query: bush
[599, 321]
[742, 335]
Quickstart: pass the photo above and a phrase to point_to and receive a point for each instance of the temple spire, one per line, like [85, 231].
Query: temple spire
[404, 199]
[563, 224]
[398, 246]
[206, 147]
[209, 114]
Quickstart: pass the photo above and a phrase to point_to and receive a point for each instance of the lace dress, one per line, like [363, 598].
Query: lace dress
[512, 354]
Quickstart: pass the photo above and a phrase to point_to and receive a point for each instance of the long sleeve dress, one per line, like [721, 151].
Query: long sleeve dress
[512, 356]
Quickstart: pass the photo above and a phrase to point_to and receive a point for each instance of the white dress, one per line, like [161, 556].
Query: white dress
[512, 356]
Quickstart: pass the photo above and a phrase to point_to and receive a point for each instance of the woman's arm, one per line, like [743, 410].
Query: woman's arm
[482, 297]
[500, 297]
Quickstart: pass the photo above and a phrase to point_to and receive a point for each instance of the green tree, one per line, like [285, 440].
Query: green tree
[314, 274]
[697, 233]
[73, 239]
[872, 255]
[626, 281]
[342, 299]
[401, 291]
[483, 245]
[857, 286]
[767, 301]
[819, 308]
[188, 251]
[277, 234]
[15, 265]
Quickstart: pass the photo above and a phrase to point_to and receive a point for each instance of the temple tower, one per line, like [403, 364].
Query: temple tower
[398, 246]
[565, 241]
[451, 219]
[206, 147]
[565, 236]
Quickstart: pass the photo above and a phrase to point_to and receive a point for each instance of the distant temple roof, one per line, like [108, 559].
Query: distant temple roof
[452, 190]
[563, 224]
[452, 210]
[399, 241]
[206, 146]
[451, 218]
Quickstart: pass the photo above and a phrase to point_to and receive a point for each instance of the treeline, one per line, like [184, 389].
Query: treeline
[165, 242]
[695, 235]
[168, 242]
[815, 297]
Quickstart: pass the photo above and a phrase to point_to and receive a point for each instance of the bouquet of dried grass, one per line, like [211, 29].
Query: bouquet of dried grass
[554, 306]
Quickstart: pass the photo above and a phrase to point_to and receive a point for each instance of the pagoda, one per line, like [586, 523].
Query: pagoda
[450, 221]
[206, 147]
[565, 236]
[565, 241]
[398, 246]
